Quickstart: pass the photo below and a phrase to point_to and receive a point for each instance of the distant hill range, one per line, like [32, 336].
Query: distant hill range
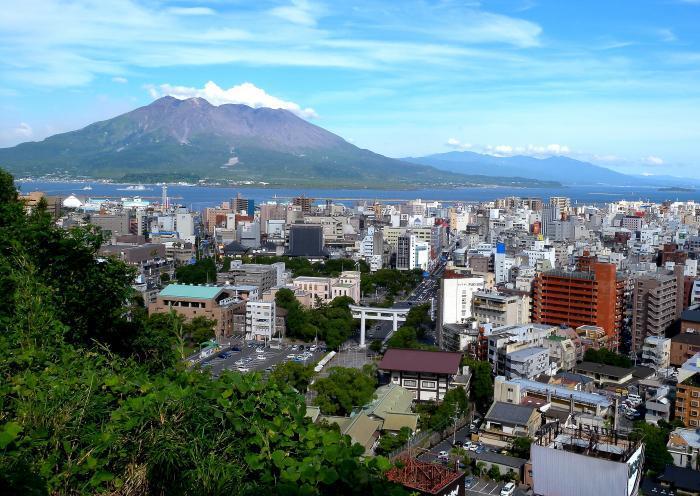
[561, 169]
[174, 140]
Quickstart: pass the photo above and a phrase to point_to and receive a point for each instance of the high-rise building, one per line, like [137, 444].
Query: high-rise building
[593, 297]
[657, 301]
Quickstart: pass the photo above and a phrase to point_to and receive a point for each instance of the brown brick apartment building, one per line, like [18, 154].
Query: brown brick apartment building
[583, 297]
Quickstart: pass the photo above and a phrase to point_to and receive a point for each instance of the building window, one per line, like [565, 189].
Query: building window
[694, 403]
[693, 413]
[410, 383]
[428, 384]
[694, 423]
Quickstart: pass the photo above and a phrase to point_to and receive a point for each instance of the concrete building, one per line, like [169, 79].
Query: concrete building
[562, 351]
[192, 301]
[579, 298]
[508, 339]
[684, 447]
[557, 396]
[605, 374]
[585, 462]
[688, 400]
[263, 276]
[690, 320]
[306, 240]
[500, 309]
[455, 300]
[323, 290]
[656, 352]
[657, 302]
[683, 347]
[527, 363]
[261, 321]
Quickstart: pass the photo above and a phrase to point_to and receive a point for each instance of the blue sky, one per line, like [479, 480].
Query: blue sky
[614, 82]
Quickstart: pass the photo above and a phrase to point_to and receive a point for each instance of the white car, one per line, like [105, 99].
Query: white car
[262, 357]
[243, 369]
[508, 489]
[443, 455]
[291, 355]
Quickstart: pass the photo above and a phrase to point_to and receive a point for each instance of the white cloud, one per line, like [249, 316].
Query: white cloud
[246, 94]
[300, 12]
[457, 145]
[550, 150]
[667, 36]
[120, 80]
[24, 130]
[653, 160]
[191, 11]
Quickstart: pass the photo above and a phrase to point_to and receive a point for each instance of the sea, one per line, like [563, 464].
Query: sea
[200, 197]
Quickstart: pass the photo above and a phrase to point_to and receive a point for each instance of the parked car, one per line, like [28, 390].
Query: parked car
[235, 348]
[457, 444]
[443, 455]
[243, 369]
[508, 489]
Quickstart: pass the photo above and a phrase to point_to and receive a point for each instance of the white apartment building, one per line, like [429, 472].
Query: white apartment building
[527, 363]
[656, 352]
[260, 320]
[455, 299]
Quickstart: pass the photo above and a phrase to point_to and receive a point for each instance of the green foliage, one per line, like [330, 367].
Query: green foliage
[481, 383]
[300, 266]
[226, 264]
[201, 272]
[414, 328]
[455, 404]
[494, 472]
[607, 357]
[656, 455]
[390, 442]
[376, 345]
[332, 323]
[345, 389]
[394, 282]
[520, 447]
[94, 416]
[293, 374]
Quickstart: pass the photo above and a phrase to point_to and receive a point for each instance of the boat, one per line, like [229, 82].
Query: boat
[87, 188]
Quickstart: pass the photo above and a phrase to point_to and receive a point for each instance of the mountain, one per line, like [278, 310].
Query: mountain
[562, 169]
[173, 139]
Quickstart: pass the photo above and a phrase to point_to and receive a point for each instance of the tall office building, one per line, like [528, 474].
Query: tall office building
[592, 297]
[304, 202]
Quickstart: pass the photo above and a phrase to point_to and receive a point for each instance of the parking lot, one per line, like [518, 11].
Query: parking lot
[479, 487]
[249, 357]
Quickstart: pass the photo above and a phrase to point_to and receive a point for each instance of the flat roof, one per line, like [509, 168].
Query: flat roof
[433, 362]
[191, 291]
[562, 392]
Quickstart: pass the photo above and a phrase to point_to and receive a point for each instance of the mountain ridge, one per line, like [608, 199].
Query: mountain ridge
[191, 139]
[560, 168]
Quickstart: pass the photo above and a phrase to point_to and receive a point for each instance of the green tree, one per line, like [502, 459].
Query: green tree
[494, 473]
[607, 357]
[199, 329]
[203, 271]
[376, 345]
[480, 468]
[481, 383]
[454, 405]
[293, 374]
[77, 418]
[520, 447]
[390, 442]
[344, 389]
[656, 455]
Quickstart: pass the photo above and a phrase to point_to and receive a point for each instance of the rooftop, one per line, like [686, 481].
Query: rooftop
[505, 460]
[563, 392]
[527, 352]
[687, 338]
[681, 478]
[691, 314]
[432, 362]
[600, 368]
[509, 413]
[428, 478]
[191, 291]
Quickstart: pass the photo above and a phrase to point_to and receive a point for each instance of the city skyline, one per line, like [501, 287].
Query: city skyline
[616, 85]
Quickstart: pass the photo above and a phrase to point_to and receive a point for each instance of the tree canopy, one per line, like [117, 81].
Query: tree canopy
[607, 357]
[201, 272]
[345, 389]
[94, 401]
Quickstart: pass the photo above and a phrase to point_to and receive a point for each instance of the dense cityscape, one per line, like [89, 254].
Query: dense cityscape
[493, 348]
[322, 248]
